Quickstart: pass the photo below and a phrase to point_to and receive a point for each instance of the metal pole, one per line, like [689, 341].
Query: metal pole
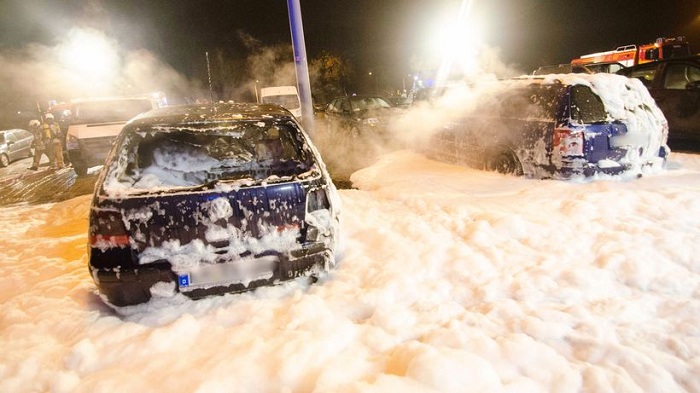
[301, 65]
[211, 92]
[257, 99]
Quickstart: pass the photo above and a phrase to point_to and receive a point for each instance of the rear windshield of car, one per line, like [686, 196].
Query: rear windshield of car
[188, 156]
[586, 106]
[109, 110]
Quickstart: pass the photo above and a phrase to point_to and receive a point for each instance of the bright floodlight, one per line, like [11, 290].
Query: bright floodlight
[458, 43]
[89, 54]
[460, 40]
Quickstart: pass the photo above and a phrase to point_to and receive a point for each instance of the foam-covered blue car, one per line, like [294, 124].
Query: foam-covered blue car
[211, 199]
[554, 126]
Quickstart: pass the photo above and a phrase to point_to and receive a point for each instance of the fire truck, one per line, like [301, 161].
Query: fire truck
[629, 55]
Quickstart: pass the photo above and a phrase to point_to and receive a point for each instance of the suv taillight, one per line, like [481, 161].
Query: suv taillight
[567, 142]
[107, 230]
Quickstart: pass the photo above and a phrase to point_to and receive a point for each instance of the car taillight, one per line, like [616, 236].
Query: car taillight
[568, 142]
[288, 227]
[107, 230]
[316, 199]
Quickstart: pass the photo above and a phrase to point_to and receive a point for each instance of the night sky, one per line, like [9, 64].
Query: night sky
[386, 35]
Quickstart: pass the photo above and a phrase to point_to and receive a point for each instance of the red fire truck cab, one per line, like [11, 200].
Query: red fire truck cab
[629, 55]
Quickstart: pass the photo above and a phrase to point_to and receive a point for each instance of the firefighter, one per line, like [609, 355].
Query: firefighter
[55, 146]
[39, 143]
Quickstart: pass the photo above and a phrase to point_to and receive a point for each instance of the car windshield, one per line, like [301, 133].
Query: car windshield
[644, 74]
[109, 110]
[288, 101]
[366, 103]
[186, 157]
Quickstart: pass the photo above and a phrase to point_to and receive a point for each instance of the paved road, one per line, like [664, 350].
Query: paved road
[21, 186]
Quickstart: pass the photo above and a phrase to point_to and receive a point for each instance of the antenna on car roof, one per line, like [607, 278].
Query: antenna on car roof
[211, 93]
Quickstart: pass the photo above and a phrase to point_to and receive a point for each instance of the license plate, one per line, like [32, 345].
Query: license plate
[220, 274]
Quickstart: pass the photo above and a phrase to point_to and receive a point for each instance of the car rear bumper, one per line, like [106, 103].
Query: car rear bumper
[124, 287]
[588, 169]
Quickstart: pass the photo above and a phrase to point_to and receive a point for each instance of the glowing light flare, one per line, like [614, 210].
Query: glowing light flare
[457, 42]
[89, 54]
[458, 36]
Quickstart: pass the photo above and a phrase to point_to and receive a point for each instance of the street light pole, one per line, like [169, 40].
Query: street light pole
[376, 84]
[300, 62]
[257, 99]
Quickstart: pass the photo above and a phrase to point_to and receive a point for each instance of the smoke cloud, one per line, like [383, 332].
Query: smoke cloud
[84, 63]
[412, 127]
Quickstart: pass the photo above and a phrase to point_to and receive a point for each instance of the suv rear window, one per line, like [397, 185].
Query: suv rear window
[586, 106]
[186, 157]
[109, 110]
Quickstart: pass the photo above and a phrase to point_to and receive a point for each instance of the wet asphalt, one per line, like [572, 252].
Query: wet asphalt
[21, 186]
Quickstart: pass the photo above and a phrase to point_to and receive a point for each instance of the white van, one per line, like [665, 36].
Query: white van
[285, 96]
[94, 125]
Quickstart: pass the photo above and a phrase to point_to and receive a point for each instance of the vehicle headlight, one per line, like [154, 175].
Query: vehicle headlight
[371, 121]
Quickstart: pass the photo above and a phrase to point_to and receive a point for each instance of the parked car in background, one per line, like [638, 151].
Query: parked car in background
[675, 85]
[285, 96]
[203, 200]
[94, 125]
[400, 101]
[360, 116]
[556, 127]
[14, 144]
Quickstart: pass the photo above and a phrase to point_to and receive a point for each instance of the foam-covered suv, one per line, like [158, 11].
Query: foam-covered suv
[556, 126]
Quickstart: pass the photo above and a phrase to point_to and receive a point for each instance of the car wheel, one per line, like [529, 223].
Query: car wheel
[505, 162]
[80, 170]
[4, 160]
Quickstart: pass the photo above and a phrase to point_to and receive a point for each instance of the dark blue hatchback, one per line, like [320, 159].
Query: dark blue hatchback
[557, 126]
[204, 200]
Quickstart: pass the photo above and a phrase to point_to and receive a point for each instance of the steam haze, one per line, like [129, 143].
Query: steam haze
[38, 74]
[413, 127]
